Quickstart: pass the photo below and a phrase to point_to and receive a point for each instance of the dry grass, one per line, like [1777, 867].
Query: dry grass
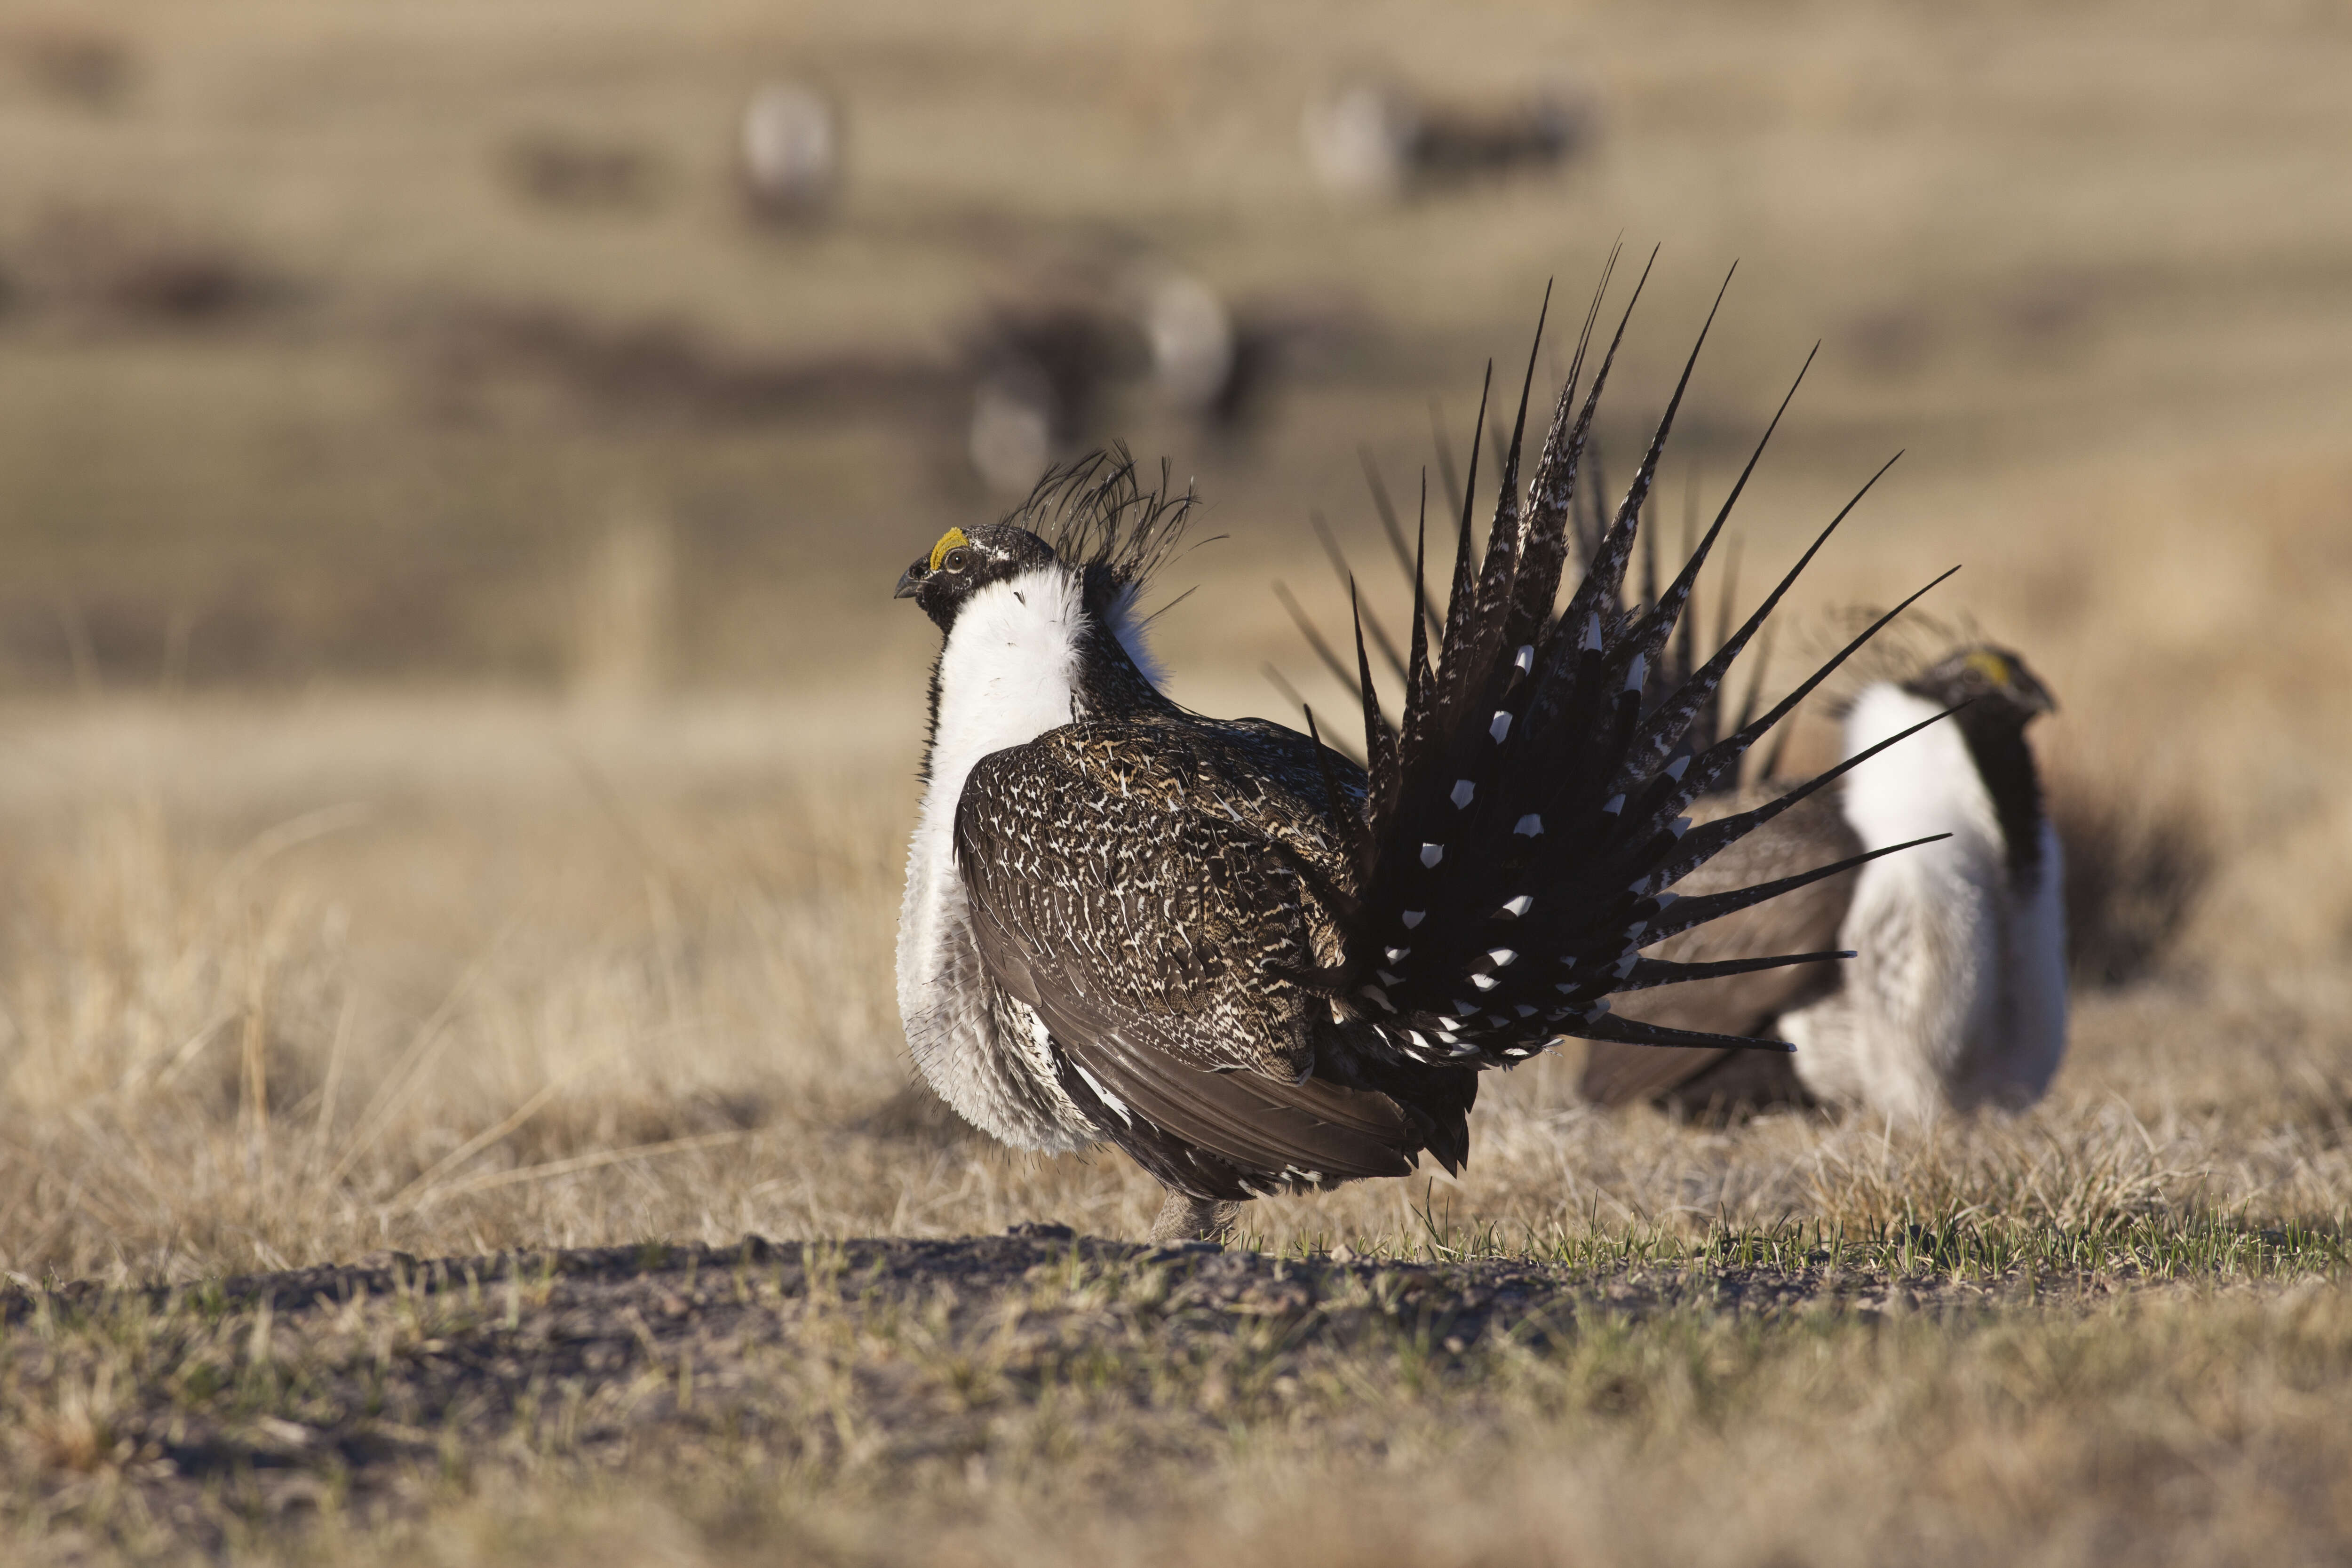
[2166, 1430]
[647, 993]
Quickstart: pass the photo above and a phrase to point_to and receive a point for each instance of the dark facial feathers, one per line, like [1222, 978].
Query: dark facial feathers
[1989, 678]
[964, 561]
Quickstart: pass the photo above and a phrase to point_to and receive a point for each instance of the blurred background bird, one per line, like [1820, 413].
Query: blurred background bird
[1957, 996]
[1376, 139]
[789, 152]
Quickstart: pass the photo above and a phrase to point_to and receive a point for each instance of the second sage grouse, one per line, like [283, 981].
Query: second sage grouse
[1958, 995]
[1224, 948]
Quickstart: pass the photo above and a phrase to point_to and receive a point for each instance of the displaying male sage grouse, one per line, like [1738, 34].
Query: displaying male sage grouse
[1218, 944]
[1958, 995]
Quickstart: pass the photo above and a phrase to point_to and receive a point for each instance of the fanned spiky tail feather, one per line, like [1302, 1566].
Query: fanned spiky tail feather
[1523, 815]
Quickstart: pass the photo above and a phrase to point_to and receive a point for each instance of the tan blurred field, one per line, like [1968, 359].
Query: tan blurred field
[450, 805]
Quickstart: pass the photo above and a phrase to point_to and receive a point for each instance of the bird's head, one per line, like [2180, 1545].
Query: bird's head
[1994, 681]
[965, 561]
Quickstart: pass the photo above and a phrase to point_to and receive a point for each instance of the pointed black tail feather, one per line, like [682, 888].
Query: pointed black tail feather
[1724, 756]
[1646, 974]
[1379, 741]
[1646, 600]
[1604, 576]
[1708, 770]
[1672, 721]
[1290, 694]
[1544, 541]
[1697, 911]
[1417, 725]
[1281, 683]
[1395, 532]
[1706, 724]
[1356, 837]
[1461, 600]
[1685, 641]
[1631, 1032]
[1522, 817]
[1507, 537]
[1654, 834]
[1703, 843]
[1339, 672]
[1449, 477]
[1339, 558]
[1593, 525]
[1727, 598]
[1770, 767]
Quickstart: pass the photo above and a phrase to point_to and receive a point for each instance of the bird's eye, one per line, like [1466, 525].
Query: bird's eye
[957, 560]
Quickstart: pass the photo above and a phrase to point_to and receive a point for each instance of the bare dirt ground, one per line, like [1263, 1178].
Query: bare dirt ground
[397, 1367]
[309, 1405]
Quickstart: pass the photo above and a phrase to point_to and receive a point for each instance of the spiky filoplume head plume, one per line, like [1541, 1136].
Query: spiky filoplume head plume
[1093, 516]
[1103, 521]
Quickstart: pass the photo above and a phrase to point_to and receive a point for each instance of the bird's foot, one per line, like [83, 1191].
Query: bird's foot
[1184, 1217]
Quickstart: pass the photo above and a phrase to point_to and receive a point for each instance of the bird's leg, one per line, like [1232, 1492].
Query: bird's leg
[1184, 1217]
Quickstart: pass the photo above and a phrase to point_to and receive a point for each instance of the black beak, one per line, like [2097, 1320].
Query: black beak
[911, 581]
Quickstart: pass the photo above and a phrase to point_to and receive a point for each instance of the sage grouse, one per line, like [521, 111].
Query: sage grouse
[1958, 997]
[1218, 944]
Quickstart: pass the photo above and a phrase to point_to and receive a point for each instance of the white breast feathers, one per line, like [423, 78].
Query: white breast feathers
[1957, 996]
[1008, 674]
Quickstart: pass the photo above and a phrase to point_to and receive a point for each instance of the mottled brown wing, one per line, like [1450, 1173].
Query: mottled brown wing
[1811, 833]
[1154, 943]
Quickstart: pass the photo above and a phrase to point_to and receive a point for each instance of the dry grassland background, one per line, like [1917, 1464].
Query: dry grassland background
[456, 751]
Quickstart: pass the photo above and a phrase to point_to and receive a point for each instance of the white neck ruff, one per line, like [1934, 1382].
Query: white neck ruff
[1009, 673]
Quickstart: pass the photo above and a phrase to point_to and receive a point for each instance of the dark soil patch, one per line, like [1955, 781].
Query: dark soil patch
[371, 1388]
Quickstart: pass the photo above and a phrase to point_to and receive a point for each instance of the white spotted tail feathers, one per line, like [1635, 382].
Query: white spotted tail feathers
[1525, 814]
